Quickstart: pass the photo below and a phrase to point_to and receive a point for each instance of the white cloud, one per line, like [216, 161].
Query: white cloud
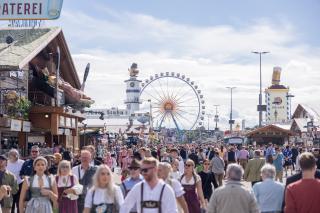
[213, 56]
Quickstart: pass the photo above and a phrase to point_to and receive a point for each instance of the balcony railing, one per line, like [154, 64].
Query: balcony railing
[40, 98]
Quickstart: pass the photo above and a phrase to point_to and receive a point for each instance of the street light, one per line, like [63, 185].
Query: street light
[150, 115]
[216, 117]
[261, 107]
[57, 77]
[290, 96]
[209, 115]
[231, 121]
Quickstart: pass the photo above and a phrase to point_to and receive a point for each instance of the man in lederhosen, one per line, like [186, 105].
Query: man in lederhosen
[151, 194]
[84, 172]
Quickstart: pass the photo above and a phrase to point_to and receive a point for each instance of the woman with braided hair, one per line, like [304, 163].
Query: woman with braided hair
[164, 172]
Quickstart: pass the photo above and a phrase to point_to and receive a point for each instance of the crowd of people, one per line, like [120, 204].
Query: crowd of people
[167, 178]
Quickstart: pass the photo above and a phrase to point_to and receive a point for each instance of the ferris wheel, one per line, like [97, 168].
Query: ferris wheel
[176, 101]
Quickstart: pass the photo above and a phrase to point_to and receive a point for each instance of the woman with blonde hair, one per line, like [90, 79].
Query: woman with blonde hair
[104, 196]
[192, 185]
[164, 172]
[68, 188]
[175, 174]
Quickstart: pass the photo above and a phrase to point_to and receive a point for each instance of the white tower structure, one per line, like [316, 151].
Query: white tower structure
[277, 100]
[133, 90]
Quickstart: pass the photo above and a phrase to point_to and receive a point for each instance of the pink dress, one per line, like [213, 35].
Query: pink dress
[109, 162]
[126, 161]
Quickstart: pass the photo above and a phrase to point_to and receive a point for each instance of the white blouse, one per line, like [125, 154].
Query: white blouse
[190, 182]
[65, 181]
[100, 196]
[35, 182]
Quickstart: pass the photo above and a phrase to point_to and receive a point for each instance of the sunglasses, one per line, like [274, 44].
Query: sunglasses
[145, 170]
[64, 167]
[133, 168]
[34, 151]
[188, 165]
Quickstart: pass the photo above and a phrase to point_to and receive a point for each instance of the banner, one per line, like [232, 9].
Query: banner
[16, 125]
[26, 126]
[30, 10]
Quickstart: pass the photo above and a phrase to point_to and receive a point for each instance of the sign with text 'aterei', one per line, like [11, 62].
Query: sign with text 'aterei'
[30, 9]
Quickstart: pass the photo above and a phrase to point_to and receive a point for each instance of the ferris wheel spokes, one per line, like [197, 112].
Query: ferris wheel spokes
[176, 101]
[158, 115]
[179, 93]
[182, 120]
[161, 120]
[179, 115]
[188, 106]
[153, 96]
[181, 96]
[184, 101]
[175, 122]
[162, 89]
[183, 111]
[161, 97]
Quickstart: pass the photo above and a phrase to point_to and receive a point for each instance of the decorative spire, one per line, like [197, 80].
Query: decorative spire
[133, 71]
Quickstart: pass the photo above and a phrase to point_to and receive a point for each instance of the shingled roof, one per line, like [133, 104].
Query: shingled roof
[27, 43]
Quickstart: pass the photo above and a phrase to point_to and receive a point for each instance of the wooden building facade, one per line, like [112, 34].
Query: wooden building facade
[29, 60]
[271, 133]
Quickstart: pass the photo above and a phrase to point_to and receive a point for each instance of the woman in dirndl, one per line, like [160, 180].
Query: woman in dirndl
[40, 189]
[104, 196]
[191, 183]
[68, 188]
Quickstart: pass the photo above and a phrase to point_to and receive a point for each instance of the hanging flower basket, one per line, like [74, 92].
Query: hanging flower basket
[17, 107]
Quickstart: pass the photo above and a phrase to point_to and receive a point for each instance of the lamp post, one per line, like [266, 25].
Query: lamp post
[84, 134]
[290, 96]
[57, 77]
[231, 121]
[150, 114]
[260, 106]
[209, 115]
[216, 117]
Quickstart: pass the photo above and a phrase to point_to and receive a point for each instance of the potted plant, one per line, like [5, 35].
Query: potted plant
[23, 106]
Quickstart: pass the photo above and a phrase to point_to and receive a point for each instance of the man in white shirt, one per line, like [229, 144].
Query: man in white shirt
[84, 173]
[151, 195]
[14, 166]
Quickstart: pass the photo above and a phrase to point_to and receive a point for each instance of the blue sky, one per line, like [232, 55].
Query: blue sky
[209, 41]
[303, 14]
